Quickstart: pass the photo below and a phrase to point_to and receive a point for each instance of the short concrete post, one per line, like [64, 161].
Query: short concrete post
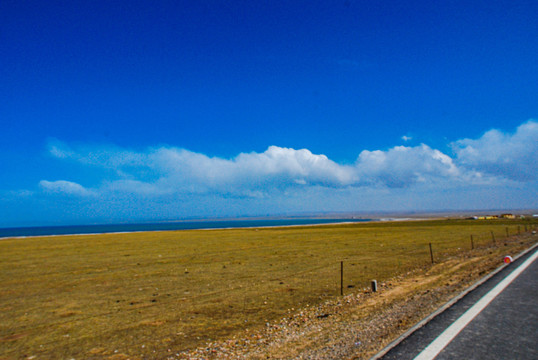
[374, 285]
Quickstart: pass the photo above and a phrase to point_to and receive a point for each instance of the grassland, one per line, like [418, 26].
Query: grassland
[151, 294]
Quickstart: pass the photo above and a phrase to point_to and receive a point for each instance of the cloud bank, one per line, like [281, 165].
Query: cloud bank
[107, 183]
[494, 158]
[513, 156]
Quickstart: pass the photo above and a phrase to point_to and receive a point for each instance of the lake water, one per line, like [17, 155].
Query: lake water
[180, 225]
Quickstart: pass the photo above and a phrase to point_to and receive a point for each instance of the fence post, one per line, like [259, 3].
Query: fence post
[341, 278]
[472, 243]
[431, 252]
[493, 237]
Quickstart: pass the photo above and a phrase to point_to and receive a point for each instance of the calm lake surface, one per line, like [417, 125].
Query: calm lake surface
[180, 225]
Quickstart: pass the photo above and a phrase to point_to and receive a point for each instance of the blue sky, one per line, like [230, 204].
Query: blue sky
[139, 111]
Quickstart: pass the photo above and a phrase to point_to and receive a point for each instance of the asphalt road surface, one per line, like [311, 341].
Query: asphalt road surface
[506, 328]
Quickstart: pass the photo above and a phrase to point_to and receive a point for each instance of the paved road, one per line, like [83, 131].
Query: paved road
[506, 329]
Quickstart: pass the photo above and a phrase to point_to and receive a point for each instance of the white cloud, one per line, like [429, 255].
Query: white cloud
[513, 156]
[180, 170]
[403, 166]
[274, 165]
[57, 150]
[104, 156]
[407, 138]
[276, 169]
[65, 187]
[496, 170]
[492, 159]
[294, 166]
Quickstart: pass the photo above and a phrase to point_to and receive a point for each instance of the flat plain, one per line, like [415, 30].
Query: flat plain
[154, 294]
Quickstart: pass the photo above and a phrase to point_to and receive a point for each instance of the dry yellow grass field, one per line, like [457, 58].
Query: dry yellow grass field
[151, 294]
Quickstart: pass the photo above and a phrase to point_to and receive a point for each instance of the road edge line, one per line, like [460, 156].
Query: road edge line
[445, 338]
[446, 306]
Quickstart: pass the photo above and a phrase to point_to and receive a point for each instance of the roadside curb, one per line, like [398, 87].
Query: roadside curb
[446, 306]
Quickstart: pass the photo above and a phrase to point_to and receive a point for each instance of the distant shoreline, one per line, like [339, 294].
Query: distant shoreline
[239, 223]
[50, 231]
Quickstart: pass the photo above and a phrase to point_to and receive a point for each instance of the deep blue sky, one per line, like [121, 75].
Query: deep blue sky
[222, 78]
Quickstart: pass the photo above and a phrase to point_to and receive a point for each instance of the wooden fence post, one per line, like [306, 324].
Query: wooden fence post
[431, 252]
[341, 278]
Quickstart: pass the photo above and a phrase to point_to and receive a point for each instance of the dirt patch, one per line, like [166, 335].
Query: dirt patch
[14, 337]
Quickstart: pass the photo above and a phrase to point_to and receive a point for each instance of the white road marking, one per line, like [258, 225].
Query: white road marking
[453, 330]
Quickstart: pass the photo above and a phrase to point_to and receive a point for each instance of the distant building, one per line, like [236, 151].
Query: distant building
[508, 216]
[486, 217]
